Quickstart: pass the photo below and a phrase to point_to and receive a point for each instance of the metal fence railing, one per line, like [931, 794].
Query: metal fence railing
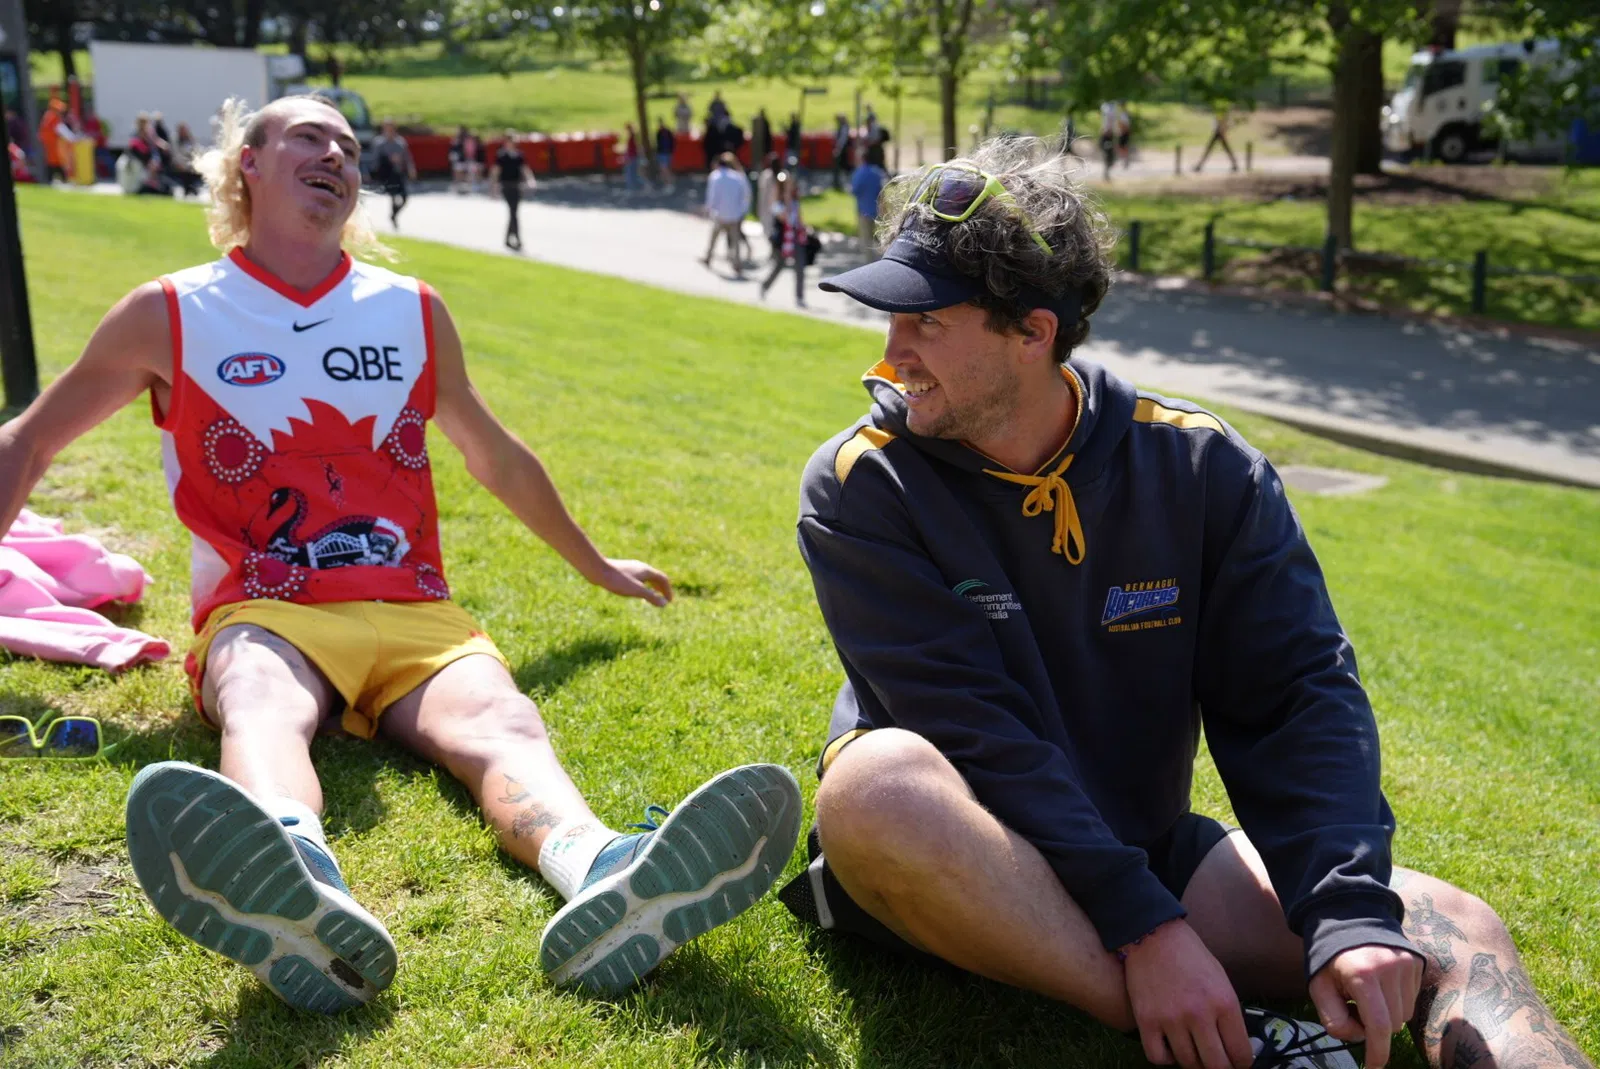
[1330, 259]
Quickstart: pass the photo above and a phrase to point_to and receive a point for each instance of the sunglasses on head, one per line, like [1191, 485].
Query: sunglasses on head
[63, 737]
[954, 191]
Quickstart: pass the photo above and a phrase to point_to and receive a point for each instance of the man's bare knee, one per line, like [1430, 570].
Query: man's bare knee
[253, 676]
[496, 729]
[883, 793]
[1442, 921]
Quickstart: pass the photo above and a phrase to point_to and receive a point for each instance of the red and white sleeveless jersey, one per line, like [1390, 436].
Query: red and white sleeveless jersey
[294, 441]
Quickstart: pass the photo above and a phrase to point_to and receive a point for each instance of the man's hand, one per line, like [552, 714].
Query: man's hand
[1183, 1003]
[635, 579]
[1382, 982]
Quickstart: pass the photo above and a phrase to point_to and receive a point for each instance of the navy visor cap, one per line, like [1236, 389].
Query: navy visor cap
[911, 276]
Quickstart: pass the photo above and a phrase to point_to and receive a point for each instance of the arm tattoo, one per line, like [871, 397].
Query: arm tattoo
[1431, 932]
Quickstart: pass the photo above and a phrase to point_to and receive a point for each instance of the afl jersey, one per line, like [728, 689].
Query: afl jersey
[294, 441]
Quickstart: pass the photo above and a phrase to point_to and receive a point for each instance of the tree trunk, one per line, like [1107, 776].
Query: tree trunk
[69, 69]
[1346, 131]
[253, 11]
[948, 84]
[948, 20]
[638, 54]
[1369, 106]
[1444, 19]
[297, 37]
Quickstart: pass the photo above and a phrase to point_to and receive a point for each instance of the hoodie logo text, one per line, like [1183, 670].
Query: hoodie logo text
[1137, 599]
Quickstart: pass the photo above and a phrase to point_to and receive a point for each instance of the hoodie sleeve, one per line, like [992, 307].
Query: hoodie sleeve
[1287, 720]
[932, 663]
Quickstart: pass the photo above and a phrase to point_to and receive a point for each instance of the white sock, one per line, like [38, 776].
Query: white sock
[297, 819]
[568, 854]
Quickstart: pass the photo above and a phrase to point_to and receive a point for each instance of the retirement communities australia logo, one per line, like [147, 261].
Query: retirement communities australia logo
[995, 606]
[1140, 599]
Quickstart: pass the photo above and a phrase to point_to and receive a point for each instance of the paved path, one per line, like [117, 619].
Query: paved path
[1469, 398]
[1478, 400]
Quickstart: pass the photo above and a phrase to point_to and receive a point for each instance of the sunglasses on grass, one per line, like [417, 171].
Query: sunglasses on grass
[64, 737]
[954, 191]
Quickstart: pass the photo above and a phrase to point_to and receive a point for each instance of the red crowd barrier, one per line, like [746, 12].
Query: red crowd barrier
[580, 153]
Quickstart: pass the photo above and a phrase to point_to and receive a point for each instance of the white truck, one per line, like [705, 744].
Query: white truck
[1440, 112]
[188, 84]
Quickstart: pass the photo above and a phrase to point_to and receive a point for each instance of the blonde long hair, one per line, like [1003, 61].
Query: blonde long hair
[228, 216]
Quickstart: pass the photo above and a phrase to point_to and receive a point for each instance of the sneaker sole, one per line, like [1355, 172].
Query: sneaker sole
[222, 871]
[714, 857]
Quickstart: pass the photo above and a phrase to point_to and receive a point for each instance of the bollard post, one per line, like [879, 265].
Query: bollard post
[1135, 228]
[1480, 281]
[1330, 262]
[1208, 251]
[1177, 160]
[1249, 156]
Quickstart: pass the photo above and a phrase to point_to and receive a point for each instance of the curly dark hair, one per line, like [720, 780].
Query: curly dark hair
[995, 243]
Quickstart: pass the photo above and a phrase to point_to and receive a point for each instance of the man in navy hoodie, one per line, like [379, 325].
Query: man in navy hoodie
[1042, 584]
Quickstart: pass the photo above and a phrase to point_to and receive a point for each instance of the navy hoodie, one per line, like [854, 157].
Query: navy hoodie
[1071, 696]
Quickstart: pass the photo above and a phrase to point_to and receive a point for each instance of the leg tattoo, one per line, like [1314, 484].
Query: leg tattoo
[533, 816]
[1485, 1013]
[1431, 932]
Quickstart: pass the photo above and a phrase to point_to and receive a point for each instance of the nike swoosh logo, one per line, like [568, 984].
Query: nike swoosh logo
[299, 327]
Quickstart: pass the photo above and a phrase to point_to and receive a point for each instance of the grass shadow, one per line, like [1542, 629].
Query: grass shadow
[740, 1022]
[981, 1022]
[262, 1023]
[557, 666]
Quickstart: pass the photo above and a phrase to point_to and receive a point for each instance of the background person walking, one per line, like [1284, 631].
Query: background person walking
[666, 145]
[1219, 136]
[392, 165]
[466, 161]
[796, 248]
[511, 173]
[767, 204]
[866, 185]
[727, 202]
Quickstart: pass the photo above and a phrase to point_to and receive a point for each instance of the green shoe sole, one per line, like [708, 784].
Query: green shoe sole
[713, 858]
[221, 870]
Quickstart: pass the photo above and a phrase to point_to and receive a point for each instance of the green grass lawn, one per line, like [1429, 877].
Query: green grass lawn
[1557, 232]
[1470, 600]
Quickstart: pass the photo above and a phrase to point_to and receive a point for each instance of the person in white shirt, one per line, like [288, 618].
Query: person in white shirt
[767, 204]
[727, 202]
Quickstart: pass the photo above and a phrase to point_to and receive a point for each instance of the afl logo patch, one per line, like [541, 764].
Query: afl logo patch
[250, 369]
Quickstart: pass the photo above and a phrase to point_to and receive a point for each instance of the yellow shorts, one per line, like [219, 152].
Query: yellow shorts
[373, 652]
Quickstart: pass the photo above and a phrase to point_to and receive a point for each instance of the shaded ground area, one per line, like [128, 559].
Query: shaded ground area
[1408, 186]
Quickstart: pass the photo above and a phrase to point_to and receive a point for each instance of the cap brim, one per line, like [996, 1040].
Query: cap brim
[891, 286]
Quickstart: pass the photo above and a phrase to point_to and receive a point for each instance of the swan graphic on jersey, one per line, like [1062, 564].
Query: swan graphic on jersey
[346, 541]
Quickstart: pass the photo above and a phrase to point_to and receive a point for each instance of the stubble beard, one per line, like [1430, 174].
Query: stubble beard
[322, 218]
[980, 418]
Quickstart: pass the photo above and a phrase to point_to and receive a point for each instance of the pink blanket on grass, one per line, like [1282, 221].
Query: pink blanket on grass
[49, 584]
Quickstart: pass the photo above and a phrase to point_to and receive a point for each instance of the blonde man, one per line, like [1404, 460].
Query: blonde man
[293, 387]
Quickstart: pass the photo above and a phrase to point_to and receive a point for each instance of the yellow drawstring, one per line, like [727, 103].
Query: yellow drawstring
[1048, 492]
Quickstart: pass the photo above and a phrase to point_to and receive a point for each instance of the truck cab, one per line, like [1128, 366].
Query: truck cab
[1440, 110]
